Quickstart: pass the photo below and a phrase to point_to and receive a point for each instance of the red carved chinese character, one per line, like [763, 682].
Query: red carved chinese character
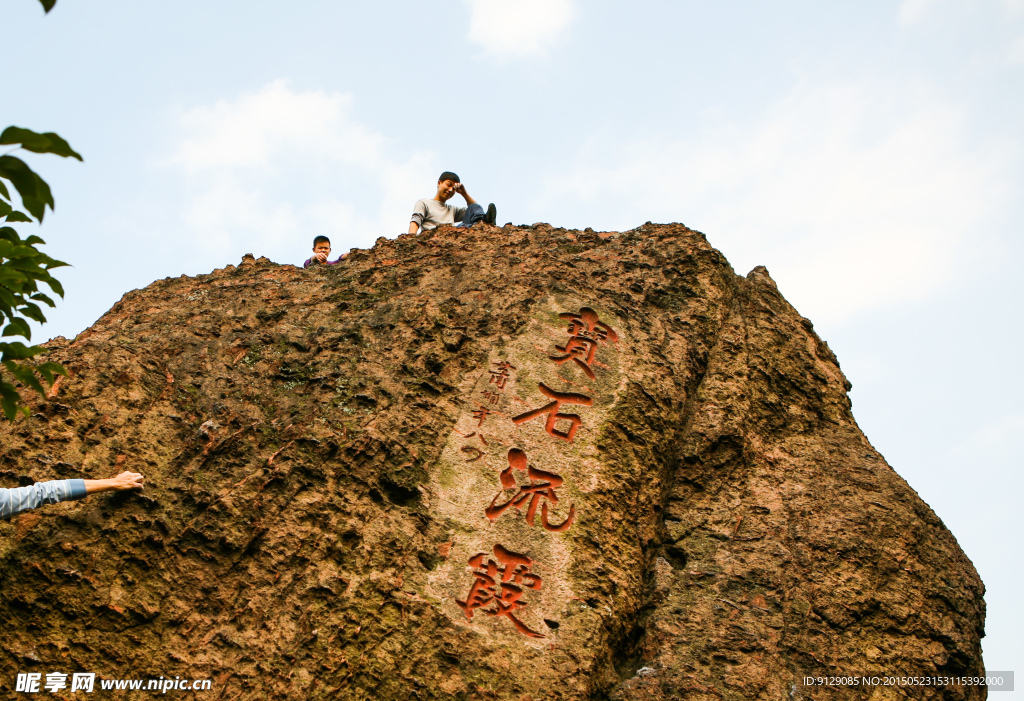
[587, 332]
[481, 414]
[552, 411]
[490, 396]
[542, 486]
[587, 324]
[468, 449]
[503, 592]
[474, 433]
[500, 376]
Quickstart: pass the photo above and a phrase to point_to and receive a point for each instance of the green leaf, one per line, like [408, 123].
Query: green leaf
[35, 193]
[17, 216]
[5, 208]
[48, 370]
[10, 407]
[38, 143]
[48, 4]
[17, 350]
[18, 327]
[20, 250]
[40, 297]
[55, 368]
[12, 279]
[27, 377]
[3, 190]
[25, 373]
[33, 312]
[20, 260]
[45, 374]
[56, 286]
[7, 271]
[7, 390]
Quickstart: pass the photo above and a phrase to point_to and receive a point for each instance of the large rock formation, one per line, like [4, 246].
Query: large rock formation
[518, 463]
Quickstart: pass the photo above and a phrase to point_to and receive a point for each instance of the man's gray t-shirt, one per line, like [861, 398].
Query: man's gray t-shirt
[430, 214]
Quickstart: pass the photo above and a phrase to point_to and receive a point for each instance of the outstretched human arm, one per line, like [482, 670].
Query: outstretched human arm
[315, 260]
[14, 501]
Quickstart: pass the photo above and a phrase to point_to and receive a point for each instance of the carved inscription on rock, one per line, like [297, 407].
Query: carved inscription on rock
[517, 468]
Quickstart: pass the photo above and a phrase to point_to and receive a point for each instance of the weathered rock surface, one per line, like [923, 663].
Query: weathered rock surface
[326, 451]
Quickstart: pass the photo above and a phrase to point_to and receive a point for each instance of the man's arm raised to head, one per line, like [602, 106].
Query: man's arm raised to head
[461, 189]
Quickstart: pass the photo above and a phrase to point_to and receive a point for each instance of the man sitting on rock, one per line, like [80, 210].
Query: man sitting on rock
[321, 250]
[13, 501]
[430, 214]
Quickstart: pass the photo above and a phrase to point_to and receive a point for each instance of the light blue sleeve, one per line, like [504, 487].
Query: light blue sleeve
[14, 501]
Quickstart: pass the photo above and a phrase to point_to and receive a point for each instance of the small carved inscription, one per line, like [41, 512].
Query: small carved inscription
[469, 450]
[500, 375]
[481, 415]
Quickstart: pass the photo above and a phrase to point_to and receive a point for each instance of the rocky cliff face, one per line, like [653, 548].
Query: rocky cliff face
[518, 463]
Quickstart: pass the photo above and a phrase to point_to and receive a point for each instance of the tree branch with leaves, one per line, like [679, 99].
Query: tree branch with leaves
[24, 269]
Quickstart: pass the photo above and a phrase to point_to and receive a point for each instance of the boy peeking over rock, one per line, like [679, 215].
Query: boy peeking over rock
[321, 251]
[430, 214]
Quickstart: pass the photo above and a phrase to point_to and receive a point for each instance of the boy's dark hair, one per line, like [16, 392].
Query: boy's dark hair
[319, 240]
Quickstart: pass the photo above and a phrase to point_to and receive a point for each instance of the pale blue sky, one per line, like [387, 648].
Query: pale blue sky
[869, 154]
